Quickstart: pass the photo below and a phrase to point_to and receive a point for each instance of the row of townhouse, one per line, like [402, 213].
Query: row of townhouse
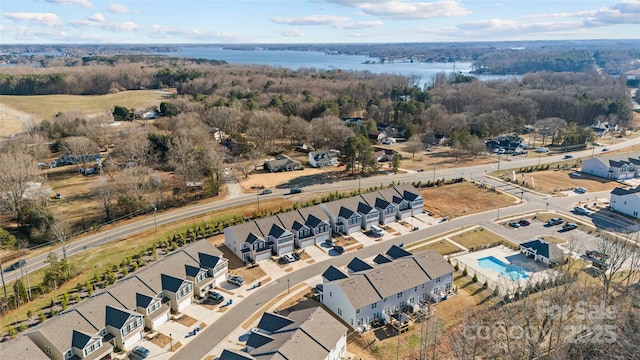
[117, 316]
[310, 334]
[259, 239]
[622, 167]
[390, 283]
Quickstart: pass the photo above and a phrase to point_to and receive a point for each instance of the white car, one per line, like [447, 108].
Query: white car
[580, 210]
[288, 258]
[235, 280]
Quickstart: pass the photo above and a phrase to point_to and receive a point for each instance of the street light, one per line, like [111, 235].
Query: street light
[258, 196]
[287, 286]
[170, 342]
[155, 222]
[358, 184]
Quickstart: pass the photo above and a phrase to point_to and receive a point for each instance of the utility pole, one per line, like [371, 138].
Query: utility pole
[155, 223]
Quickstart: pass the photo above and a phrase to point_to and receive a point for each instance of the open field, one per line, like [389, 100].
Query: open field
[47, 106]
[463, 199]
[551, 181]
[444, 247]
[477, 237]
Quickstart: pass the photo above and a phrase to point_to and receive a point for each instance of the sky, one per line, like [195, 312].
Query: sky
[313, 21]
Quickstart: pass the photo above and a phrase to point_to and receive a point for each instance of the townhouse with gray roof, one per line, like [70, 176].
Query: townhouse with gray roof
[259, 239]
[618, 167]
[310, 334]
[134, 294]
[22, 348]
[370, 291]
[117, 325]
[210, 259]
[70, 336]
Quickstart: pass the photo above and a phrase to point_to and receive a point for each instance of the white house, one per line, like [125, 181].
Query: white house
[310, 334]
[343, 215]
[621, 167]
[626, 201]
[377, 290]
[323, 158]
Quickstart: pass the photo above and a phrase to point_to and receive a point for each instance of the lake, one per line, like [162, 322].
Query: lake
[296, 60]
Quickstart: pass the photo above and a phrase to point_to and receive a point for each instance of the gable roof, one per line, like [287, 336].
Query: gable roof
[381, 259]
[59, 330]
[235, 355]
[22, 348]
[396, 252]
[94, 309]
[407, 191]
[118, 317]
[290, 220]
[208, 260]
[171, 283]
[273, 322]
[358, 265]
[127, 290]
[622, 191]
[344, 208]
[548, 250]
[247, 232]
[313, 215]
[79, 339]
[333, 273]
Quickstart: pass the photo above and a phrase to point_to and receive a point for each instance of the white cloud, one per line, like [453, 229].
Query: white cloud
[291, 32]
[81, 3]
[45, 19]
[119, 8]
[311, 20]
[393, 9]
[97, 17]
[361, 24]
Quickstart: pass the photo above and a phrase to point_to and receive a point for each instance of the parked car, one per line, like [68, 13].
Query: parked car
[580, 190]
[569, 226]
[568, 156]
[16, 265]
[215, 296]
[524, 222]
[514, 224]
[288, 258]
[266, 191]
[235, 280]
[140, 352]
[339, 249]
[596, 254]
[554, 221]
[580, 210]
[295, 190]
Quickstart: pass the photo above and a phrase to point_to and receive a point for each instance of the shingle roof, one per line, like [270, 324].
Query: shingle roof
[94, 309]
[59, 330]
[257, 339]
[126, 291]
[246, 232]
[234, 355]
[208, 260]
[118, 317]
[22, 348]
[548, 250]
[358, 265]
[80, 339]
[381, 259]
[407, 191]
[171, 283]
[622, 191]
[396, 252]
[273, 322]
[313, 215]
[290, 220]
[332, 273]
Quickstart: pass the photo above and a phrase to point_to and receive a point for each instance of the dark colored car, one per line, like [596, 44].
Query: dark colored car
[569, 226]
[524, 222]
[215, 296]
[514, 224]
[295, 191]
[140, 352]
[554, 221]
[16, 265]
[339, 249]
[266, 191]
[568, 156]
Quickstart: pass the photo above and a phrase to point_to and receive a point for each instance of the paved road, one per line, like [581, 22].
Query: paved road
[472, 172]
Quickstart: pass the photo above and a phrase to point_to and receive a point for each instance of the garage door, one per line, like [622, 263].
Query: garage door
[186, 302]
[161, 320]
[130, 342]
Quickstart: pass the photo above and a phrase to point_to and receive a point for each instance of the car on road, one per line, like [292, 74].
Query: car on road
[569, 226]
[554, 221]
[16, 265]
[580, 210]
[514, 224]
[139, 352]
[295, 190]
[568, 156]
[215, 296]
[420, 170]
[580, 190]
[524, 222]
[339, 249]
[266, 191]
[288, 258]
[235, 280]
[605, 149]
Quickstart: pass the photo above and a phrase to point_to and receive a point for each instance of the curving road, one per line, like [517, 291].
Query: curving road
[148, 223]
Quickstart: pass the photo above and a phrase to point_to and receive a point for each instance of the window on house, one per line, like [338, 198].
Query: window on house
[339, 311]
[47, 350]
[438, 279]
[399, 295]
[358, 311]
[416, 289]
[374, 305]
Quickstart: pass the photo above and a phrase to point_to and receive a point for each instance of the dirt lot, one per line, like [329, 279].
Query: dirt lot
[551, 181]
[463, 199]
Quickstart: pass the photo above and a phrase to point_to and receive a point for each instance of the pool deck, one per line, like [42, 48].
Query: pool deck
[535, 270]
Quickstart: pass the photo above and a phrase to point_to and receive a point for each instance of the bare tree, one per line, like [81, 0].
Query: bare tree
[414, 145]
[61, 231]
[105, 191]
[614, 256]
[18, 173]
[82, 149]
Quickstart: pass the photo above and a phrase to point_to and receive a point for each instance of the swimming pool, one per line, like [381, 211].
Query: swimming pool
[512, 272]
